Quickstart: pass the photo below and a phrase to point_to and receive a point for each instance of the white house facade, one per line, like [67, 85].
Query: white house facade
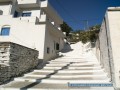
[33, 24]
[108, 45]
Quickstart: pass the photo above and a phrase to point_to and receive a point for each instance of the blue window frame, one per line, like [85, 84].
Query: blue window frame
[26, 14]
[5, 31]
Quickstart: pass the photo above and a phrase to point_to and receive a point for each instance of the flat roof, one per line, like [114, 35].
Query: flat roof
[113, 9]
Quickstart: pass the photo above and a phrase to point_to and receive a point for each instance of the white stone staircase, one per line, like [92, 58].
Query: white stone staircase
[74, 67]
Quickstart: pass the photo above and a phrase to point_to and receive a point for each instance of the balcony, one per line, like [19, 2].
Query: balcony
[49, 10]
[28, 3]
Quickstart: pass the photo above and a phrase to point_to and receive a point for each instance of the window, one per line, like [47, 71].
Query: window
[48, 50]
[5, 31]
[26, 14]
[1, 12]
[16, 14]
[57, 46]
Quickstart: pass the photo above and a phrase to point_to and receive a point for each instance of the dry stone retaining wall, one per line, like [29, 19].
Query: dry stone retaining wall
[16, 60]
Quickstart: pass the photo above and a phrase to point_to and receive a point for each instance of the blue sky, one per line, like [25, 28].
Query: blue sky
[75, 12]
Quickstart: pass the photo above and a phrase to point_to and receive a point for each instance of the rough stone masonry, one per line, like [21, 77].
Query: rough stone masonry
[15, 60]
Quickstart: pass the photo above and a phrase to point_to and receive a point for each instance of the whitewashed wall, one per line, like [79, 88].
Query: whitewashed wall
[24, 33]
[109, 49]
[50, 41]
[114, 27]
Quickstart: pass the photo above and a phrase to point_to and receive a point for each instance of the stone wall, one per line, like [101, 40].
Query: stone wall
[4, 73]
[16, 60]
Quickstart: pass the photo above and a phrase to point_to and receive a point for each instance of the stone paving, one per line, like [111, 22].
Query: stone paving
[75, 69]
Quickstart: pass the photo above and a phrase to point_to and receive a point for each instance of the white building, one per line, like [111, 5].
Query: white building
[31, 23]
[108, 46]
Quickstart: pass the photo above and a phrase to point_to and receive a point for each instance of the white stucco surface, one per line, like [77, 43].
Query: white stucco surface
[34, 31]
[108, 46]
[114, 27]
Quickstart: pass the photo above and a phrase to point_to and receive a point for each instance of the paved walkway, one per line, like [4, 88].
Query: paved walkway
[73, 67]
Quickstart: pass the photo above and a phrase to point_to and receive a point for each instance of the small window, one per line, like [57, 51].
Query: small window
[5, 31]
[48, 50]
[16, 14]
[1, 12]
[57, 46]
[26, 14]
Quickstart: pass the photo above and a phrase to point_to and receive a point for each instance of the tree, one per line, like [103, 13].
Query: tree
[90, 35]
[96, 27]
[66, 28]
[87, 36]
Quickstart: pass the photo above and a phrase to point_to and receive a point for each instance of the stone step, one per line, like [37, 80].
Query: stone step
[72, 71]
[62, 80]
[66, 66]
[55, 61]
[58, 76]
[74, 68]
[77, 64]
[34, 86]
[56, 64]
[63, 74]
[62, 62]
[74, 61]
[70, 58]
[52, 68]
[49, 86]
